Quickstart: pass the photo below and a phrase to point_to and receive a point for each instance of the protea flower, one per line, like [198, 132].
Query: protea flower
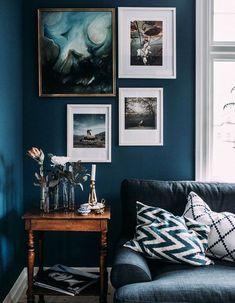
[37, 154]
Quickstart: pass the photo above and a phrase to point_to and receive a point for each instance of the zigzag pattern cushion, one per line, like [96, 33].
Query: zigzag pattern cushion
[221, 240]
[161, 235]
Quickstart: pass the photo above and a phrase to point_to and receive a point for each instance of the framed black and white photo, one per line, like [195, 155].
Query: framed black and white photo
[140, 116]
[147, 42]
[89, 132]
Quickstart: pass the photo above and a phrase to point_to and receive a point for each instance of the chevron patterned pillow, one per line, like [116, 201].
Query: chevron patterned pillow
[161, 235]
[221, 240]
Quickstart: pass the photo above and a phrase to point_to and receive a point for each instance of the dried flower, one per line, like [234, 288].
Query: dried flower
[36, 154]
[59, 160]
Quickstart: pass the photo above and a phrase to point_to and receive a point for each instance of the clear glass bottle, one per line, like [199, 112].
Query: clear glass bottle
[71, 197]
[65, 194]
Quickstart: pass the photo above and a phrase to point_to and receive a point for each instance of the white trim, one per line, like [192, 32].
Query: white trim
[202, 90]
[206, 52]
[17, 289]
[20, 285]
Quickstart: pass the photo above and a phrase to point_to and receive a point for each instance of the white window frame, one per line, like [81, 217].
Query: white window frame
[207, 51]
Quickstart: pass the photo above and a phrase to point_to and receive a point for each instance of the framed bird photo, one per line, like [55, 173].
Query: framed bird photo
[140, 116]
[147, 42]
[76, 52]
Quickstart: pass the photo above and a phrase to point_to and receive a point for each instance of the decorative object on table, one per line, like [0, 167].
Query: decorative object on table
[89, 132]
[84, 210]
[64, 279]
[76, 52]
[70, 174]
[140, 116]
[62, 174]
[43, 180]
[92, 198]
[147, 47]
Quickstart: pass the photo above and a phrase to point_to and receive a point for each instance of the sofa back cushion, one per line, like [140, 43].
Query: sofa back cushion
[171, 196]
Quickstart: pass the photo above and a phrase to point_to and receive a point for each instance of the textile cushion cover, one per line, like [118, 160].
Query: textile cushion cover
[221, 241]
[161, 235]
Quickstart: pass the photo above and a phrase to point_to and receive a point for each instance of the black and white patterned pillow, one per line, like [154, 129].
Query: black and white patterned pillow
[221, 241]
[161, 235]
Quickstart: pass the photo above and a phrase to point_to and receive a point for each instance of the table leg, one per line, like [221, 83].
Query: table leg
[103, 267]
[40, 250]
[41, 258]
[31, 260]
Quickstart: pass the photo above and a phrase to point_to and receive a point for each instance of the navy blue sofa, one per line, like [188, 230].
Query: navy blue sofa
[137, 279]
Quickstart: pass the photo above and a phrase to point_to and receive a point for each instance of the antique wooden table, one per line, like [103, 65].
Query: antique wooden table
[39, 222]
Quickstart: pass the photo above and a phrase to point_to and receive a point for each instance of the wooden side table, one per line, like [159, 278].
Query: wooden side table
[36, 221]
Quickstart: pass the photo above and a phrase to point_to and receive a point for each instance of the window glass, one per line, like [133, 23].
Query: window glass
[224, 21]
[223, 150]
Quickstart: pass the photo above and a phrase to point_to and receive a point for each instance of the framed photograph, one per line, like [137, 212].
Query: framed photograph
[147, 43]
[141, 116]
[89, 132]
[76, 52]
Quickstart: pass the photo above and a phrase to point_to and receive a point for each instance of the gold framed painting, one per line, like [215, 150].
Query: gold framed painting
[76, 52]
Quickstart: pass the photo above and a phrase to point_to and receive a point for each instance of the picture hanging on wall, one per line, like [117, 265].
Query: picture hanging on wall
[141, 116]
[147, 42]
[89, 132]
[76, 52]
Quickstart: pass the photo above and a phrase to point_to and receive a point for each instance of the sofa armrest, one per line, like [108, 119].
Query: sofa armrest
[129, 267]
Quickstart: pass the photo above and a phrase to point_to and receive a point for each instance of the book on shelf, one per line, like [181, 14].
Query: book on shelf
[65, 279]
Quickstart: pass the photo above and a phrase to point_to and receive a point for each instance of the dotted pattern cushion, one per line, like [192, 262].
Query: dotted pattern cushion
[161, 235]
[221, 241]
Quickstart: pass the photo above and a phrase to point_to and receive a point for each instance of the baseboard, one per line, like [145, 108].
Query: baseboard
[17, 289]
[20, 285]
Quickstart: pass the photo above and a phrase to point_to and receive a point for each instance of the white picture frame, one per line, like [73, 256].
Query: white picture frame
[147, 42]
[140, 116]
[89, 132]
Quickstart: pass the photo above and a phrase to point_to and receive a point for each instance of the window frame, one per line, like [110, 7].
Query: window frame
[207, 51]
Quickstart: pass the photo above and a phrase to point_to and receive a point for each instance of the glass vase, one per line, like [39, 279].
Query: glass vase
[71, 197]
[46, 205]
[42, 197]
[65, 195]
[56, 197]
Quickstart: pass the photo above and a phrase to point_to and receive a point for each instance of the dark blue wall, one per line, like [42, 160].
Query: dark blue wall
[45, 126]
[11, 200]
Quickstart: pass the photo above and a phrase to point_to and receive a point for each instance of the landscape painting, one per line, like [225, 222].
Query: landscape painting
[76, 52]
[89, 131]
[140, 113]
[146, 39]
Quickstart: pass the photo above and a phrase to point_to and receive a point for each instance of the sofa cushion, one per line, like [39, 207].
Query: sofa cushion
[182, 283]
[221, 241]
[161, 235]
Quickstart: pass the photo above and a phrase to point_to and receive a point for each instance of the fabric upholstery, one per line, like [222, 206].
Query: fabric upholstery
[161, 235]
[182, 284]
[171, 196]
[129, 267]
[174, 283]
[222, 234]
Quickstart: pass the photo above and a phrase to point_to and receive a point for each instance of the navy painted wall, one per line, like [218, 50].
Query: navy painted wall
[11, 197]
[45, 127]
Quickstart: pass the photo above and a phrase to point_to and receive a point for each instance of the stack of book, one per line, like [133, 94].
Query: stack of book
[65, 279]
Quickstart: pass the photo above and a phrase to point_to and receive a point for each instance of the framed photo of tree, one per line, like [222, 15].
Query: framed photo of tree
[76, 52]
[147, 42]
[141, 116]
[89, 132]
